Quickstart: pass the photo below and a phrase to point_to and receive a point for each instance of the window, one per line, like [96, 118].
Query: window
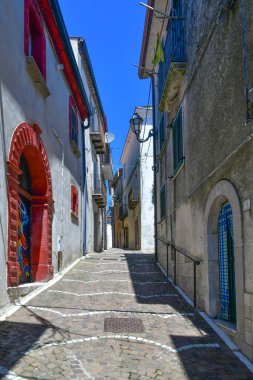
[74, 200]
[34, 36]
[178, 141]
[161, 131]
[163, 211]
[163, 168]
[73, 122]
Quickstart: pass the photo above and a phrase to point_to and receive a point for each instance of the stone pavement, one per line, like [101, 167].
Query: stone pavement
[113, 316]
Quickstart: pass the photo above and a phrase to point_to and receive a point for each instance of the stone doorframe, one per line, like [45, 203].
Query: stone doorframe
[26, 140]
[223, 192]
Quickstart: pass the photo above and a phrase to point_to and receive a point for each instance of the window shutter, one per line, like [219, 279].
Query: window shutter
[178, 141]
[73, 121]
[34, 31]
[163, 211]
[74, 199]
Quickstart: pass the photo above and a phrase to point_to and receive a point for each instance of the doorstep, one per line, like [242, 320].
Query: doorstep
[15, 292]
[230, 327]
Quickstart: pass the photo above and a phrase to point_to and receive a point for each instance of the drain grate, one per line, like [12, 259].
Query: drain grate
[123, 325]
[110, 259]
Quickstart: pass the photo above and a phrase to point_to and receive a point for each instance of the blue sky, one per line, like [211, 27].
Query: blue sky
[113, 32]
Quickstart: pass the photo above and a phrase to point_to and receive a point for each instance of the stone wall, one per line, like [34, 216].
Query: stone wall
[218, 158]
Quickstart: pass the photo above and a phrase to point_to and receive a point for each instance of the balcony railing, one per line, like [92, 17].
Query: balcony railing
[97, 135]
[123, 212]
[117, 198]
[99, 192]
[133, 198]
[173, 68]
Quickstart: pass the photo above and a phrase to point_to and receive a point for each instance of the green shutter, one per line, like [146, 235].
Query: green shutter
[178, 141]
[161, 132]
[163, 211]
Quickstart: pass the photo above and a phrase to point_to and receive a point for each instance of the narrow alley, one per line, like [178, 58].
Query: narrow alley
[113, 316]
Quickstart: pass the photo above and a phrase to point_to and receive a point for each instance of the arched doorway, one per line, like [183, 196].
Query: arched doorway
[24, 222]
[226, 264]
[223, 255]
[30, 208]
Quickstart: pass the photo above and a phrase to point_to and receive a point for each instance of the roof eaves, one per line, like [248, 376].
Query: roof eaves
[145, 38]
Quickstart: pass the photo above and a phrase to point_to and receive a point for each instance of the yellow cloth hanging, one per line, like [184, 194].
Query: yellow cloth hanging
[158, 52]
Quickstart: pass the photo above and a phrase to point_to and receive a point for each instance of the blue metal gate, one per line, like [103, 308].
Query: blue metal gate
[226, 265]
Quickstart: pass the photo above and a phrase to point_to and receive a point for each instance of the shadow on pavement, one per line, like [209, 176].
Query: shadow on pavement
[15, 339]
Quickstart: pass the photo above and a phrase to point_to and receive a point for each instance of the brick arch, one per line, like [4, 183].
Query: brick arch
[26, 140]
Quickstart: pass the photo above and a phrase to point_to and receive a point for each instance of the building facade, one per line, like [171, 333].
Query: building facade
[45, 109]
[117, 210]
[98, 160]
[133, 191]
[203, 122]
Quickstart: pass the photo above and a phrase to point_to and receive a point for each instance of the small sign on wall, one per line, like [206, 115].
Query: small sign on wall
[247, 204]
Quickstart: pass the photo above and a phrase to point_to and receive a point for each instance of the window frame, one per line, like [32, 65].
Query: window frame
[178, 141]
[163, 202]
[34, 36]
[74, 200]
[162, 135]
[73, 130]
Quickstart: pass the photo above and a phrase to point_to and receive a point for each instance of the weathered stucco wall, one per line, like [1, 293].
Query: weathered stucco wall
[217, 147]
[21, 101]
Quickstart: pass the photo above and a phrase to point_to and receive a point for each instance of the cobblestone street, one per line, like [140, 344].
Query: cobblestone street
[113, 316]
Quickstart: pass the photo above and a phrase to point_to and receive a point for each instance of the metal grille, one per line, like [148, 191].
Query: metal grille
[123, 325]
[226, 260]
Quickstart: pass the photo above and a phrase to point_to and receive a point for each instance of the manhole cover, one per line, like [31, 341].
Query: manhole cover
[123, 325]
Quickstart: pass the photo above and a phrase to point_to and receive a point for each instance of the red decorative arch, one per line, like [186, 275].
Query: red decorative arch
[26, 140]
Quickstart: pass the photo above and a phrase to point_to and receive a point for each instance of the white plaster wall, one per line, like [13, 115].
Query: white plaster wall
[109, 236]
[146, 186]
[94, 217]
[132, 152]
[21, 101]
[89, 187]
[129, 157]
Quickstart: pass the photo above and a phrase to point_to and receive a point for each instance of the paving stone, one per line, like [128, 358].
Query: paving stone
[60, 333]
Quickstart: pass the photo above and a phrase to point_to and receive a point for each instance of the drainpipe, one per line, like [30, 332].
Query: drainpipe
[154, 163]
[60, 238]
[245, 61]
[86, 125]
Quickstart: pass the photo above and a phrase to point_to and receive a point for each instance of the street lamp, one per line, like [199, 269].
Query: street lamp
[136, 125]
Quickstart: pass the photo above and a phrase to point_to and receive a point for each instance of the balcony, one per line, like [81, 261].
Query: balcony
[117, 198]
[99, 192]
[97, 133]
[171, 71]
[133, 198]
[123, 212]
[97, 140]
[37, 77]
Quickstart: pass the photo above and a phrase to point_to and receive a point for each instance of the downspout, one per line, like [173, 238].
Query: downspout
[154, 164]
[84, 185]
[245, 61]
[61, 237]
